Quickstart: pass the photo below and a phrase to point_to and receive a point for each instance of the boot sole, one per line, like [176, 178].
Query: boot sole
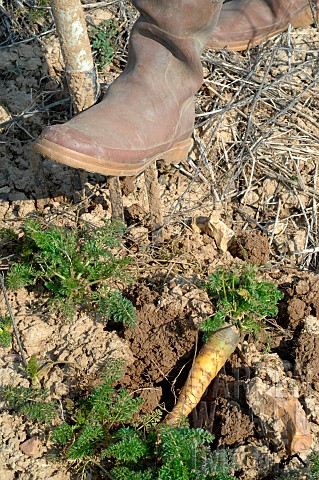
[304, 19]
[63, 155]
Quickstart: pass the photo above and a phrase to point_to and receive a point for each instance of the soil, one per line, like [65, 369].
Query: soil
[257, 161]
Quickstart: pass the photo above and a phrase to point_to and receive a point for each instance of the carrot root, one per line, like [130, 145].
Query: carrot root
[212, 356]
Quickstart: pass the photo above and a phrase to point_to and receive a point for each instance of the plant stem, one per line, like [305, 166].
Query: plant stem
[102, 468]
[224, 287]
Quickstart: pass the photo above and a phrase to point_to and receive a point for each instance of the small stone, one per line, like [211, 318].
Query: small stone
[30, 447]
[311, 325]
[302, 287]
[4, 115]
[215, 228]
[276, 228]
[139, 234]
[24, 208]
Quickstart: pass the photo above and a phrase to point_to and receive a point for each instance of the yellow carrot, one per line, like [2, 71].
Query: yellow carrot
[211, 358]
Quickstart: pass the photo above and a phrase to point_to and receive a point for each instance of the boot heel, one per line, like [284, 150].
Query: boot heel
[177, 153]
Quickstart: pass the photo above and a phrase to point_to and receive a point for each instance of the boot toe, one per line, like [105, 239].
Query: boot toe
[74, 148]
[65, 137]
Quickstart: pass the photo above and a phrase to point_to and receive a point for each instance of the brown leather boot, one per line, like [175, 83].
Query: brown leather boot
[246, 23]
[148, 112]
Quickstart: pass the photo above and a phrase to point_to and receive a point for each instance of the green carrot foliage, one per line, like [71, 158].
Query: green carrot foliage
[77, 266]
[241, 299]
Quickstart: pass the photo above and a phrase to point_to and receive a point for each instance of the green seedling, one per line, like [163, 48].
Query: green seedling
[104, 411]
[5, 334]
[32, 402]
[77, 266]
[241, 299]
[36, 372]
[37, 13]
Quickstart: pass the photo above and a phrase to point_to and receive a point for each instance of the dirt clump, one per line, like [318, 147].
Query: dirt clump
[307, 354]
[301, 297]
[252, 247]
[236, 426]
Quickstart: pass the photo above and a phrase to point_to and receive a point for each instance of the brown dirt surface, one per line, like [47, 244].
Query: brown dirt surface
[255, 159]
[252, 247]
[307, 351]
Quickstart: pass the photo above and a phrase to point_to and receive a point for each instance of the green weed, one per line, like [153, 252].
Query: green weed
[5, 334]
[169, 453]
[30, 402]
[36, 16]
[36, 371]
[105, 430]
[77, 266]
[32, 370]
[314, 467]
[8, 235]
[103, 42]
[241, 298]
[106, 409]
